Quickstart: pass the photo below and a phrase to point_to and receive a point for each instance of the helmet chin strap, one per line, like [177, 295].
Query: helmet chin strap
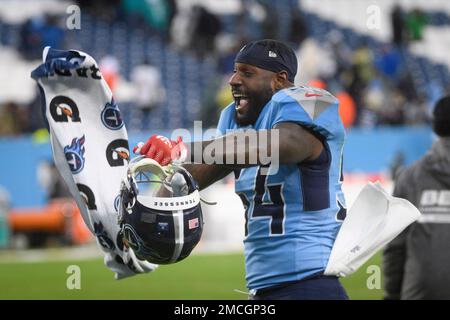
[208, 203]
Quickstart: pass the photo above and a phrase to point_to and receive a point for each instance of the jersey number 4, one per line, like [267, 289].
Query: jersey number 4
[268, 202]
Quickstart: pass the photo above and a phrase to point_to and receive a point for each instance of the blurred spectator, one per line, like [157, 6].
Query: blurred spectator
[150, 92]
[35, 119]
[38, 32]
[172, 8]
[13, 119]
[52, 33]
[30, 45]
[258, 19]
[269, 24]
[227, 46]
[405, 84]
[298, 30]
[153, 13]
[108, 10]
[347, 108]
[363, 60]
[315, 62]
[207, 27]
[417, 112]
[415, 22]
[359, 75]
[388, 62]
[394, 112]
[52, 181]
[110, 68]
[182, 28]
[340, 52]
[416, 263]
[217, 96]
[398, 25]
[374, 98]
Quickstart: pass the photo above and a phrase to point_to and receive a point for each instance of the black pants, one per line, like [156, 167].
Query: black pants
[316, 288]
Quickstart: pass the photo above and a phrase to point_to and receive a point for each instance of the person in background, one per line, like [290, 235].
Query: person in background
[150, 92]
[398, 25]
[416, 263]
[110, 68]
[416, 20]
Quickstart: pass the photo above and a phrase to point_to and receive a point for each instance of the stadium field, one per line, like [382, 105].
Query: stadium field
[201, 276]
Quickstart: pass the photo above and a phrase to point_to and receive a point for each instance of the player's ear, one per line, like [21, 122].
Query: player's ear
[279, 80]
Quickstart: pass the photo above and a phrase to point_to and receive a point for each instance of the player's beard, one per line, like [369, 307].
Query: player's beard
[256, 102]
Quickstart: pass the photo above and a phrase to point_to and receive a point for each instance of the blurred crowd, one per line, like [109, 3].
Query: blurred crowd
[375, 87]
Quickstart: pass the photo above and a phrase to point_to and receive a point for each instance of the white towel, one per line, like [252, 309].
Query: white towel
[90, 147]
[374, 219]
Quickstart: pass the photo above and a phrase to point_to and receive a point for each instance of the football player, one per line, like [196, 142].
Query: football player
[294, 213]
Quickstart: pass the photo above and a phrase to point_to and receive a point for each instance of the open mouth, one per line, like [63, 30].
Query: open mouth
[241, 101]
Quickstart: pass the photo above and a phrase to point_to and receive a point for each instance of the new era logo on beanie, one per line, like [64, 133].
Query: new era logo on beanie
[270, 55]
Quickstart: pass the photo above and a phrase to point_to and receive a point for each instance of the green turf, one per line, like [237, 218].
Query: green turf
[198, 277]
[362, 285]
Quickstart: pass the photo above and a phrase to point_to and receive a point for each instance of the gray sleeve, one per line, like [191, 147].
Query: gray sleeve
[394, 257]
[394, 254]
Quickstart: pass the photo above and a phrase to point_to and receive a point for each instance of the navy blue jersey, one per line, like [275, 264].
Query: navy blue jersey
[293, 216]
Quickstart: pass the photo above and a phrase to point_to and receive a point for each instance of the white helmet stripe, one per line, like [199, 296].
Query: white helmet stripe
[178, 224]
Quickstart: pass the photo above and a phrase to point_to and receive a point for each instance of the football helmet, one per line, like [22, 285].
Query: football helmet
[160, 213]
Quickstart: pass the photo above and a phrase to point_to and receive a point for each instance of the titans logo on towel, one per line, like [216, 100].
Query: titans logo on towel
[117, 203]
[111, 117]
[119, 240]
[131, 239]
[117, 153]
[87, 195]
[103, 239]
[62, 108]
[75, 155]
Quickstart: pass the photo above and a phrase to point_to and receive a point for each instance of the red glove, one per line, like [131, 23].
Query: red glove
[162, 150]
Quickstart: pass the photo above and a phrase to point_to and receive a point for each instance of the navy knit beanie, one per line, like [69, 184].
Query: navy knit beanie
[270, 55]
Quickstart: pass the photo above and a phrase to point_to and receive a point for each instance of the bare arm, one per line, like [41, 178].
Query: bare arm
[293, 144]
[205, 174]
[296, 144]
[287, 142]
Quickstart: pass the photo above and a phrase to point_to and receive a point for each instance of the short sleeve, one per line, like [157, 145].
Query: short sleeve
[291, 112]
[309, 107]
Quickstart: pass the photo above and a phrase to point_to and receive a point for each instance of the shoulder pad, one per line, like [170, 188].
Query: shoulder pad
[313, 100]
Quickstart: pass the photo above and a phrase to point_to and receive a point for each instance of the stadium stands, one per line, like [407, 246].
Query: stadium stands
[186, 77]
